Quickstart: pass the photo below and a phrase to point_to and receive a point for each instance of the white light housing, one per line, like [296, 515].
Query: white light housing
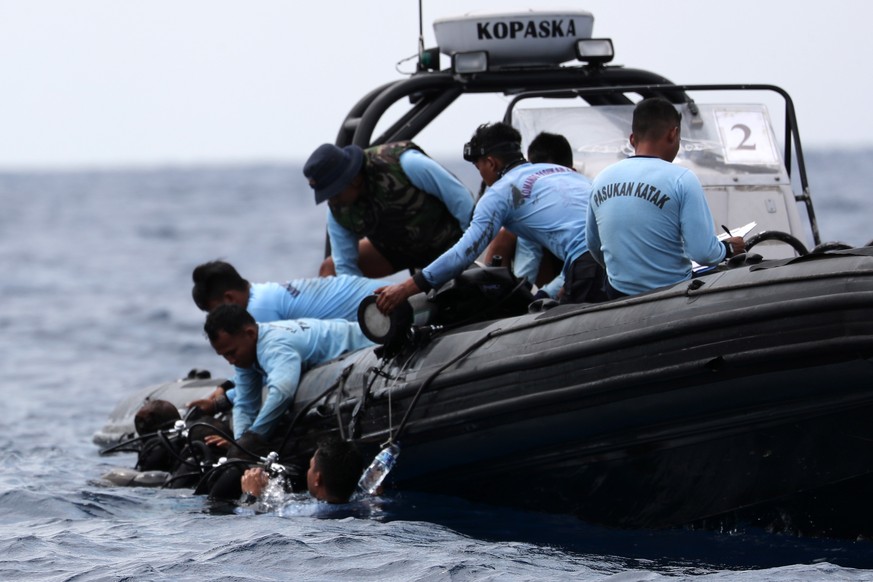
[473, 62]
[381, 328]
[594, 50]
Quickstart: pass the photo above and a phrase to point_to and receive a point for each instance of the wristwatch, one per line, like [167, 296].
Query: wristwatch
[222, 403]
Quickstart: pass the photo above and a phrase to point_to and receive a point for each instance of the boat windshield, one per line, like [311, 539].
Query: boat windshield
[723, 144]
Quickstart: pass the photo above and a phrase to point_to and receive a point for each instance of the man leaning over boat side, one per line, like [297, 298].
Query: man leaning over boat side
[648, 218]
[529, 259]
[272, 356]
[217, 282]
[544, 203]
[391, 207]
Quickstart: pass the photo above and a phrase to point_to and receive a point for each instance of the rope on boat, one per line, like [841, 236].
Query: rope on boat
[354, 431]
[339, 382]
[341, 385]
[473, 347]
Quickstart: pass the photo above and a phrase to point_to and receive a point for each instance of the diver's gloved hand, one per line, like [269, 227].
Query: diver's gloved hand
[251, 442]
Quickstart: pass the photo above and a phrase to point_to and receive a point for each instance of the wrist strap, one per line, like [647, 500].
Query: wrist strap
[222, 404]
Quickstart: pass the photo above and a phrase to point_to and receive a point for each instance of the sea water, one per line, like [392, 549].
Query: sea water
[95, 279]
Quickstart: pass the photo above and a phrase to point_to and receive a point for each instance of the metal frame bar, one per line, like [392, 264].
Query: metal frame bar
[433, 92]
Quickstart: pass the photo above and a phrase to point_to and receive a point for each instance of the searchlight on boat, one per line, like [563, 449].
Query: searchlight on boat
[481, 42]
[594, 50]
[468, 63]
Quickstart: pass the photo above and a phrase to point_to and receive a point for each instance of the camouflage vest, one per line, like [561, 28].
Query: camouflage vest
[407, 225]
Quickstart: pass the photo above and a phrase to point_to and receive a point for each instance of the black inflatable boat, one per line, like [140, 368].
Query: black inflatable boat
[743, 391]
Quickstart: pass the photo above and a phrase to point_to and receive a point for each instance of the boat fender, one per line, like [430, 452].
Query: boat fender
[120, 476]
[150, 478]
[124, 477]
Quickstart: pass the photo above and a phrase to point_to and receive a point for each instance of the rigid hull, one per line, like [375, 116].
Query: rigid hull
[650, 411]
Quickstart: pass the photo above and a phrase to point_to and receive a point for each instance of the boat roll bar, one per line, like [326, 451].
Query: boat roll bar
[679, 94]
[432, 92]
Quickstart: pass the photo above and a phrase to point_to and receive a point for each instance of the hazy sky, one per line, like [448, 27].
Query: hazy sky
[109, 82]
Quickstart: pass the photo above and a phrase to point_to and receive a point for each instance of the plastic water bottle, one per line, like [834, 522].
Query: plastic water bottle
[379, 469]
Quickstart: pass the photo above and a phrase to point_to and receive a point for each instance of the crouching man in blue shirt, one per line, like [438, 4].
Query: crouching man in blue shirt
[272, 355]
[218, 282]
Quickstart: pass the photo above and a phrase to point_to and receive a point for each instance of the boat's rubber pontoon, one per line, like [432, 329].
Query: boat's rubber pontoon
[749, 385]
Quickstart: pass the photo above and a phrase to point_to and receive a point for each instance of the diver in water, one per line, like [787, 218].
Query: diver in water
[334, 470]
[154, 455]
[172, 453]
[155, 415]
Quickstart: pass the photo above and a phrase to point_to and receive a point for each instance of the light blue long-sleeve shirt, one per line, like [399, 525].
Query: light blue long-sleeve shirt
[528, 256]
[426, 175]
[544, 203]
[648, 219]
[317, 298]
[285, 350]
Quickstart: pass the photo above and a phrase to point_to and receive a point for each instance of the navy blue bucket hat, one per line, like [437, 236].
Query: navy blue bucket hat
[331, 169]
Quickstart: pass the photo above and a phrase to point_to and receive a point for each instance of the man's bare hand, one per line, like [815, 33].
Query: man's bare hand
[207, 405]
[213, 440]
[388, 298]
[253, 481]
[738, 245]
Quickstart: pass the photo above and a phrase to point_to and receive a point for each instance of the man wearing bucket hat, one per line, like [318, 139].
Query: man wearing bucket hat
[391, 207]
